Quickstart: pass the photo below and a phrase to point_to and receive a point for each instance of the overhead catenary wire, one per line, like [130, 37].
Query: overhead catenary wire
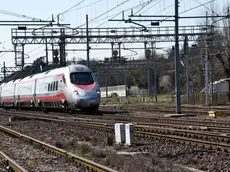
[72, 7]
[19, 15]
[207, 7]
[186, 10]
[61, 14]
[149, 7]
[147, 3]
[196, 7]
[118, 5]
[128, 9]
[93, 3]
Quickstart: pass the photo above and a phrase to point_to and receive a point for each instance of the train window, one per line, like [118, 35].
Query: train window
[48, 87]
[47, 71]
[56, 85]
[82, 78]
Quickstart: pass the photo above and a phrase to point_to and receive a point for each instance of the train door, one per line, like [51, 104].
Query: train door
[35, 103]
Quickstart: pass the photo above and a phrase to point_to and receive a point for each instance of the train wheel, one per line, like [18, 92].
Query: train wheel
[3, 105]
[66, 107]
[18, 105]
[42, 107]
[32, 105]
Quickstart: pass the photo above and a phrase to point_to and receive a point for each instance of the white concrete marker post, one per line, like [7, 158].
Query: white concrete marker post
[119, 133]
[129, 134]
[10, 119]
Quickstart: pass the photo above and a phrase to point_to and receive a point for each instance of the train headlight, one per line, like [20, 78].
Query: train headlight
[98, 92]
[76, 92]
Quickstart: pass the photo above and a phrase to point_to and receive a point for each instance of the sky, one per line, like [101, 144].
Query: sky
[73, 12]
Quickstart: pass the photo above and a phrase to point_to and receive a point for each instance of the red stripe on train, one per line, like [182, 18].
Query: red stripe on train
[85, 87]
[57, 97]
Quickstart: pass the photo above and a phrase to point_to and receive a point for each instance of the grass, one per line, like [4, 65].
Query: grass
[162, 98]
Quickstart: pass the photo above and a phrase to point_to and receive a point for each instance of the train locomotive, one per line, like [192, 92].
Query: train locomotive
[69, 88]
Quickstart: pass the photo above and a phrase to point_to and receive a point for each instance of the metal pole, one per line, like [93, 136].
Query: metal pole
[52, 53]
[87, 37]
[106, 83]
[4, 70]
[155, 70]
[228, 13]
[47, 61]
[148, 72]
[62, 48]
[177, 60]
[211, 61]
[23, 56]
[112, 45]
[206, 65]
[187, 68]
[119, 45]
[148, 81]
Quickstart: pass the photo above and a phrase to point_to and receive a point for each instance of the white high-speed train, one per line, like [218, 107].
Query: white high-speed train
[71, 87]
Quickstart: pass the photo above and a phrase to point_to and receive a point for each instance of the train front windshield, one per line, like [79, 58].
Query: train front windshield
[81, 78]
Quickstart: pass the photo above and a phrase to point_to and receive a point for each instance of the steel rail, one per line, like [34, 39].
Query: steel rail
[187, 133]
[141, 126]
[168, 121]
[78, 160]
[200, 143]
[147, 129]
[10, 164]
[193, 124]
[189, 141]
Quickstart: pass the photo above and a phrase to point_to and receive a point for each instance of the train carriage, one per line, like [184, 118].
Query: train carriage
[70, 87]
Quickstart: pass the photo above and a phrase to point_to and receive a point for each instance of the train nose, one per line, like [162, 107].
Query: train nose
[89, 101]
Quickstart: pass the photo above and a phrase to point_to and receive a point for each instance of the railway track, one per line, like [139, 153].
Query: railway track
[217, 126]
[192, 110]
[145, 131]
[185, 139]
[138, 120]
[162, 121]
[9, 164]
[75, 161]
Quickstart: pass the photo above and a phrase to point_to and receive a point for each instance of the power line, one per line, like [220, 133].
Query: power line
[167, 8]
[34, 49]
[93, 3]
[128, 9]
[72, 7]
[61, 14]
[105, 13]
[18, 15]
[150, 7]
[207, 8]
[196, 7]
[146, 5]
[187, 10]
[7, 52]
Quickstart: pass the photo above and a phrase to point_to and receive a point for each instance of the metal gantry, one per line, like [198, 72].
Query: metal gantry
[62, 36]
[105, 35]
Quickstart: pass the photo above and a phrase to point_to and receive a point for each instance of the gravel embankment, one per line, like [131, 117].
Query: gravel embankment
[157, 155]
